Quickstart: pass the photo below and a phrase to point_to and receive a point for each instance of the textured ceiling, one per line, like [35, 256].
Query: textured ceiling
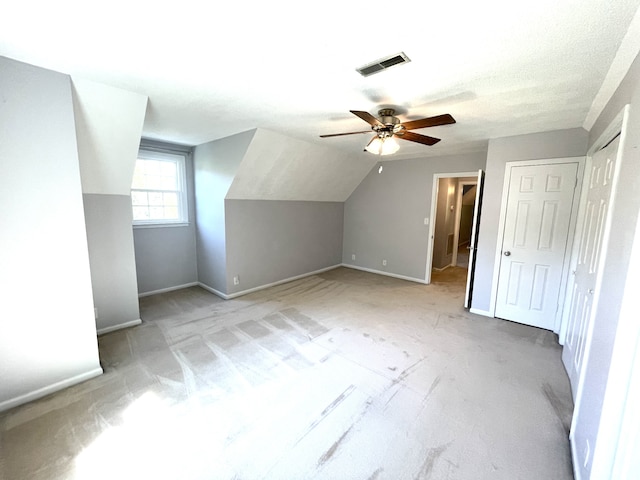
[213, 69]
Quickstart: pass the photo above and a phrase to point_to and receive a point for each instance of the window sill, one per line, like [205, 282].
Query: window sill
[159, 225]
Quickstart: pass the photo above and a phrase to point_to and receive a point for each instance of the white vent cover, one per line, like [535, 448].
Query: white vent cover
[383, 64]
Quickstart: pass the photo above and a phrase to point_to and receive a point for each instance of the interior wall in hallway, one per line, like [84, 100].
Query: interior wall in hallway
[47, 333]
[444, 227]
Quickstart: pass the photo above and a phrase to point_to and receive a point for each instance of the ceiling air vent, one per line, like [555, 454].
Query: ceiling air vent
[383, 64]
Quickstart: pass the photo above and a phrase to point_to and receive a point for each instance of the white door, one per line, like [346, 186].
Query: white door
[473, 244]
[583, 291]
[536, 228]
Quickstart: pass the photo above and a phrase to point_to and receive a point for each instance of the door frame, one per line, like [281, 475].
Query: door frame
[625, 359]
[432, 218]
[570, 233]
[614, 129]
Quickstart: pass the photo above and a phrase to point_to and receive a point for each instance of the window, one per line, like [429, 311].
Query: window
[158, 191]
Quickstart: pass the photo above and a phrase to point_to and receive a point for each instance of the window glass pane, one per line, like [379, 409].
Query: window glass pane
[138, 176]
[166, 183]
[168, 169]
[171, 213]
[157, 213]
[139, 198]
[171, 199]
[153, 167]
[139, 181]
[155, 198]
[140, 213]
[156, 189]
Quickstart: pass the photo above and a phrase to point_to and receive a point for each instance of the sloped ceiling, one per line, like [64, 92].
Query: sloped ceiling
[108, 127]
[277, 167]
[214, 69]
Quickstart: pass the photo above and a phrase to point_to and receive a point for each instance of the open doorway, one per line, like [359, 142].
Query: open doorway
[453, 222]
[465, 206]
[455, 211]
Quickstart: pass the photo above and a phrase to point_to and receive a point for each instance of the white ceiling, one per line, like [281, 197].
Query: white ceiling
[213, 69]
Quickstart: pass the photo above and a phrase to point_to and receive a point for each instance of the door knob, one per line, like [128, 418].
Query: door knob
[507, 253]
[590, 291]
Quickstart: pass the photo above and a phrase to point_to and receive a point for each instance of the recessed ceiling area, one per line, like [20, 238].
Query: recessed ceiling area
[499, 67]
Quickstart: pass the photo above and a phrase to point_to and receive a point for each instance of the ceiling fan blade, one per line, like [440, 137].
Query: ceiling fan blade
[416, 137]
[445, 119]
[341, 134]
[367, 117]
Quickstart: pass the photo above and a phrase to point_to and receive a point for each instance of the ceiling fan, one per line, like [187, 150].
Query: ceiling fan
[387, 127]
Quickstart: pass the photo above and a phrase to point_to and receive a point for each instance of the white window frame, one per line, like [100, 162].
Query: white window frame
[183, 208]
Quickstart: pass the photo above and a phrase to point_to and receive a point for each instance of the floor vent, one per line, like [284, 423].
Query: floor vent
[383, 64]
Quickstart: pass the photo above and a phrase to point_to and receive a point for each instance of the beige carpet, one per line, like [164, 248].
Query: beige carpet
[344, 375]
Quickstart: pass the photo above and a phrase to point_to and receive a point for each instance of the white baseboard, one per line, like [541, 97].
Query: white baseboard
[484, 313]
[120, 326]
[54, 387]
[443, 268]
[386, 274]
[268, 285]
[224, 296]
[168, 289]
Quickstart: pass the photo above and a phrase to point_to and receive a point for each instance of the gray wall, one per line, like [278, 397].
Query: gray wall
[108, 124]
[165, 258]
[466, 222]
[269, 241]
[215, 165]
[113, 274]
[47, 328]
[166, 255]
[384, 217]
[598, 416]
[445, 222]
[557, 144]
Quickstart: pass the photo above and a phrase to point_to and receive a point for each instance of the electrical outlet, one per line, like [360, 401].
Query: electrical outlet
[426, 220]
[95, 313]
[353, 256]
[236, 280]
[384, 263]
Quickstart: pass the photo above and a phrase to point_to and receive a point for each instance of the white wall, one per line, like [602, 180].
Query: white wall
[108, 127]
[47, 328]
[277, 167]
[384, 216]
[556, 144]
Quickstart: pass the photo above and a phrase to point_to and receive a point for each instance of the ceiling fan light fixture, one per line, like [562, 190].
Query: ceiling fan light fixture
[382, 146]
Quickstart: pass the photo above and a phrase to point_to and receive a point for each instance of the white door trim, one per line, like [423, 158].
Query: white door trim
[618, 125]
[572, 225]
[604, 139]
[432, 218]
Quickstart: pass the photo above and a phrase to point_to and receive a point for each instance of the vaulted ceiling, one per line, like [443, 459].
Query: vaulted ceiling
[213, 69]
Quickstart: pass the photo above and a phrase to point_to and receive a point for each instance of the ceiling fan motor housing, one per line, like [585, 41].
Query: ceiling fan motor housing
[387, 117]
[390, 123]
